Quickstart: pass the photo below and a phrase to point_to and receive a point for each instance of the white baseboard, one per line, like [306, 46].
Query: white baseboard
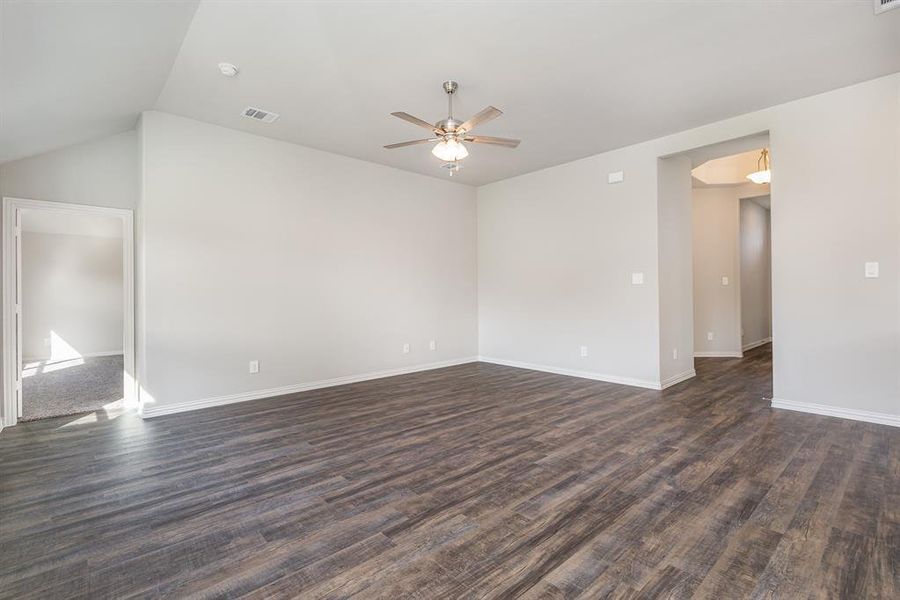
[88, 355]
[152, 410]
[718, 354]
[652, 385]
[753, 345]
[670, 381]
[836, 411]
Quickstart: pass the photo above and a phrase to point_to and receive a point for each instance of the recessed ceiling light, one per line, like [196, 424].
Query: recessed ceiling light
[228, 69]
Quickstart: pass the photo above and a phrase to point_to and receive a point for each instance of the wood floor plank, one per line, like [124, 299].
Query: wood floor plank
[474, 481]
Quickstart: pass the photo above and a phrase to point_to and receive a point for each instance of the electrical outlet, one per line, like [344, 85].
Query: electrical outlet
[432, 345]
[254, 366]
[710, 336]
[46, 342]
[724, 280]
[637, 279]
[583, 351]
[405, 348]
[675, 354]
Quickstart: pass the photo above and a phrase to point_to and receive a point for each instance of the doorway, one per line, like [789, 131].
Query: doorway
[756, 271]
[68, 310]
[715, 256]
[731, 256]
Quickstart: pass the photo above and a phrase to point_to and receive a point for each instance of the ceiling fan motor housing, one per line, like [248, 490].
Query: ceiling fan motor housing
[449, 124]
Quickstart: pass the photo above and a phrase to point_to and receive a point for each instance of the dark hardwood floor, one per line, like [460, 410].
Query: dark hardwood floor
[476, 481]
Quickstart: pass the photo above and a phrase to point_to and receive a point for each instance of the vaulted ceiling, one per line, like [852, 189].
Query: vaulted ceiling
[573, 78]
[76, 71]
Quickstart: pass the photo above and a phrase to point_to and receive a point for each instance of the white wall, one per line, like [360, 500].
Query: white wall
[837, 334]
[721, 248]
[556, 251]
[317, 265]
[756, 274]
[676, 304]
[71, 290]
[556, 248]
[99, 173]
[716, 244]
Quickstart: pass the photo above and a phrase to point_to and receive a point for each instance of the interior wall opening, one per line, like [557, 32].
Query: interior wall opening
[715, 256]
[731, 255]
[72, 282]
[68, 312]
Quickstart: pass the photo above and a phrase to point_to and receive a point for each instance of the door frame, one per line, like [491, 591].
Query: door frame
[11, 272]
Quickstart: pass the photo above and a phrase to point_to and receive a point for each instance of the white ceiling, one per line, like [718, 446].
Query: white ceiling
[573, 78]
[728, 170]
[77, 71]
[46, 221]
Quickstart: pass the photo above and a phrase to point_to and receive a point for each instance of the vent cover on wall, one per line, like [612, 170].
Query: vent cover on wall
[884, 5]
[259, 115]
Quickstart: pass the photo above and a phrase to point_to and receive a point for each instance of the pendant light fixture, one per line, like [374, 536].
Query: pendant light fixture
[763, 174]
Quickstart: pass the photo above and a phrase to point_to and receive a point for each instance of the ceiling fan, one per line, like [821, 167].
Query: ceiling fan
[450, 133]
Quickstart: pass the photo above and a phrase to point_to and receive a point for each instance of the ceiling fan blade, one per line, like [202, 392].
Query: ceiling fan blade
[486, 139]
[415, 121]
[412, 143]
[485, 115]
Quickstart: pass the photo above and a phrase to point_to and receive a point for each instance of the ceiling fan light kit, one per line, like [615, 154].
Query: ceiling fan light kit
[450, 150]
[450, 133]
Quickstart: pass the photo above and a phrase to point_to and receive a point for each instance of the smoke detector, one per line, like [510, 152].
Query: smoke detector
[258, 114]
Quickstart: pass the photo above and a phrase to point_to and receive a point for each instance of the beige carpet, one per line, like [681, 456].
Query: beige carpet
[69, 387]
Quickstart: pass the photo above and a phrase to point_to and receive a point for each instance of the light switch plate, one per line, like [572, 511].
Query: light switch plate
[616, 177]
[637, 279]
[710, 336]
[724, 281]
[871, 270]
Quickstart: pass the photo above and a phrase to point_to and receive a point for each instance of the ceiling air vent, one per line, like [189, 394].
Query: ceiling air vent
[259, 115]
[884, 5]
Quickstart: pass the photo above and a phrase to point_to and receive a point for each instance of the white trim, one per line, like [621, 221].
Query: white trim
[718, 354]
[670, 381]
[148, 410]
[641, 383]
[11, 206]
[753, 345]
[86, 355]
[836, 411]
